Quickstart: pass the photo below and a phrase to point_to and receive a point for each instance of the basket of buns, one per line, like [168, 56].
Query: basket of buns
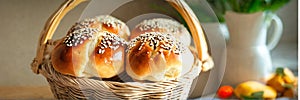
[101, 58]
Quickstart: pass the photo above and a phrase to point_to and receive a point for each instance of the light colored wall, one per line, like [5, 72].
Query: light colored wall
[285, 54]
[23, 20]
[21, 24]
[288, 15]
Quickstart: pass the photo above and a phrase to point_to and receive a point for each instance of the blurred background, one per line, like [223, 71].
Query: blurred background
[23, 20]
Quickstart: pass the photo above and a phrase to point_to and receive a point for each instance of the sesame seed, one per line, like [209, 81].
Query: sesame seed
[110, 40]
[82, 30]
[78, 36]
[155, 40]
[167, 25]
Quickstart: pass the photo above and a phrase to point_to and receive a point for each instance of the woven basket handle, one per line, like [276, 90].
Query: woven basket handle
[196, 30]
[49, 30]
[179, 5]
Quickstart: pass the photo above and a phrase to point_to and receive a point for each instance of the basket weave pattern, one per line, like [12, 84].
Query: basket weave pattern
[69, 87]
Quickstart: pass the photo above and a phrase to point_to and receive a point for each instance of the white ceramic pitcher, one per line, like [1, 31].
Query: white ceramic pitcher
[248, 56]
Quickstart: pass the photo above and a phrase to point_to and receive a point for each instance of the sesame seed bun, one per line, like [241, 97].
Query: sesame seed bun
[155, 56]
[91, 49]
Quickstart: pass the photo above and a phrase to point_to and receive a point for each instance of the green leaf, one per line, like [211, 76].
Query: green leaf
[254, 96]
[251, 6]
[280, 71]
[255, 6]
[258, 94]
[289, 86]
[246, 97]
[276, 4]
[234, 5]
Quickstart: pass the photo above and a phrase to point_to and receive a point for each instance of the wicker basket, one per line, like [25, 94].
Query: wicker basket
[69, 87]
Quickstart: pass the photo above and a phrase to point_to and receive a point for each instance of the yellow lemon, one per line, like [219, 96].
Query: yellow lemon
[251, 88]
[288, 76]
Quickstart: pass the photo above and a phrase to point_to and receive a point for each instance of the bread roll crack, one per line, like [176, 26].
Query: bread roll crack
[110, 40]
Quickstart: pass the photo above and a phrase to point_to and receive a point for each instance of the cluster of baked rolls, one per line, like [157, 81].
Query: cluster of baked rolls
[155, 50]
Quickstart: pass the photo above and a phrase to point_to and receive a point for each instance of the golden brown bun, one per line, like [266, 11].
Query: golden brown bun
[154, 56]
[71, 55]
[108, 55]
[88, 50]
[165, 26]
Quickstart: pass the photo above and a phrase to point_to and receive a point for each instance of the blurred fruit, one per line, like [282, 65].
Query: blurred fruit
[283, 79]
[225, 92]
[284, 82]
[254, 90]
[277, 83]
[296, 82]
[290, 93]
[269, 92]
[288, 76]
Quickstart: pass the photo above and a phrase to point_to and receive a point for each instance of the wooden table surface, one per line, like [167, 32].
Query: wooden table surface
[27, 93]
